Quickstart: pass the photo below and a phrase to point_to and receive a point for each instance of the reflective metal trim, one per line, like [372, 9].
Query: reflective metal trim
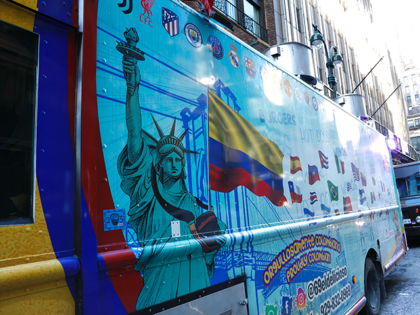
[193, 296]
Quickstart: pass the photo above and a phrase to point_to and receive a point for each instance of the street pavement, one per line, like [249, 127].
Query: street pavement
[403, 284]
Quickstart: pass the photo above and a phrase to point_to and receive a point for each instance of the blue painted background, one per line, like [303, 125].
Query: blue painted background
[171, 88]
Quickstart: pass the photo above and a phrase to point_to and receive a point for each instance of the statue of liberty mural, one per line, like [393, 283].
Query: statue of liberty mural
[153, 175]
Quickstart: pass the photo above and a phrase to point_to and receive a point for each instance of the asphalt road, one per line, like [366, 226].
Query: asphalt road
[403, 284]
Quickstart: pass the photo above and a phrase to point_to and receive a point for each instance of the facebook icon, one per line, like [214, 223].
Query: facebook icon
[286, 305]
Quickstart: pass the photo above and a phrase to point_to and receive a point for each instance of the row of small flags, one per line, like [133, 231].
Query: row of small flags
[325, 210]
[296, 194]
[372, 195]
[346, 202]
[347, 208]
[295, 166]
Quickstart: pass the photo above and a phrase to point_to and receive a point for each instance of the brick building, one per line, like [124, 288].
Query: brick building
[353, 27]
[411, 82]
[251, 21]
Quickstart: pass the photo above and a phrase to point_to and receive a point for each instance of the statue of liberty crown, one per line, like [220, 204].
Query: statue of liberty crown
[170, 139]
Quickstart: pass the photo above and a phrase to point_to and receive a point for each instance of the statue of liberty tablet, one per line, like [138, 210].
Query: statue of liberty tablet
[153, 176]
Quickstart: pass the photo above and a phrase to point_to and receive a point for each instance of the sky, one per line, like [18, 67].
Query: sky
[402, 17]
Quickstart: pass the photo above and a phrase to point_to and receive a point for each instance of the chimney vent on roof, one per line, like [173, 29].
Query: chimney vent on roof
[297, 59]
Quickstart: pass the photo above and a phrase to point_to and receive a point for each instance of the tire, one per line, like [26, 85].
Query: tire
[372, 289]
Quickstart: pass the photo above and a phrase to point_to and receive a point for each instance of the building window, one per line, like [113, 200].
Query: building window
[352, 70]
[245, 13]
[252, 18]
[417, 122]
[415, 142]
[227, 7]
[290, 18]
[18, 76]
[405, 80]
[409, 99]
[414, 78]
[231, 10]
[417, 98]
[410, 123]
[407, 90]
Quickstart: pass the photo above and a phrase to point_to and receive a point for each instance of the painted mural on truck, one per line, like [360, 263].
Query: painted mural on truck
[153, 176]
[184, 109]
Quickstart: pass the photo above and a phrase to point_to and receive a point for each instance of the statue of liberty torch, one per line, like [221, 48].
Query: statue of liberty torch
[153, 176]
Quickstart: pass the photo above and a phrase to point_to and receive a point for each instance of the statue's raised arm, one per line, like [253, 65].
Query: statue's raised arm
[132, 76]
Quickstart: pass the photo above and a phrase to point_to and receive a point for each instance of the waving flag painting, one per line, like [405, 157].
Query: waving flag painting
[362, 196]
[364, 181]
[313, 198]
[208, 4]
[347, 205]
[323, 159]
[333, 191]
[313, 174]
[326, 211]
[295, 165]
[372, 197]
[355, 170]
[295, 193]
[308, 213]
[339, 164]
[241, 156]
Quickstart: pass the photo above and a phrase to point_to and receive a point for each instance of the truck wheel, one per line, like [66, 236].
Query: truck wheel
[372, 289]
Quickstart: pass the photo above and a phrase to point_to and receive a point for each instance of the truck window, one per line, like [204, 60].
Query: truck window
[409, 186]
[18, 77]
[402, 187]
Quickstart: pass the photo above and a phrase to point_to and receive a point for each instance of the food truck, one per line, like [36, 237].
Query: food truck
[152, 163]
[407, 176]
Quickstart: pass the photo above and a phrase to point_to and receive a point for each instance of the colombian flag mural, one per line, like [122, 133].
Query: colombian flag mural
[241, 156]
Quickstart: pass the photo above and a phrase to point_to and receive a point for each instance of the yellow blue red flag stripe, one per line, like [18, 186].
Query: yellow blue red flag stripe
[241, 156]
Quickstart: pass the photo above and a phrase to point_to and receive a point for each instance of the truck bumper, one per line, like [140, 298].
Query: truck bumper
[412, 230]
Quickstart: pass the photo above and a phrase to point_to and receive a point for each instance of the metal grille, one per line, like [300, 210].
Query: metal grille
[249, 24]
[239, 16]
[220, 5]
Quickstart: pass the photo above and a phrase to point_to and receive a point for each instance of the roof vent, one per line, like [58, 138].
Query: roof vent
[353, 103]
[296, 58]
